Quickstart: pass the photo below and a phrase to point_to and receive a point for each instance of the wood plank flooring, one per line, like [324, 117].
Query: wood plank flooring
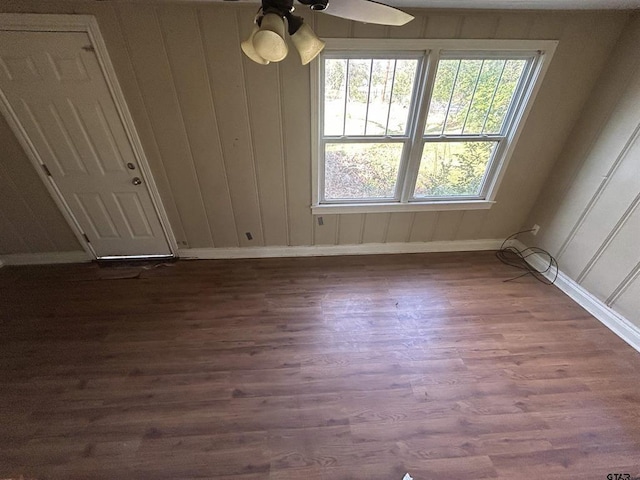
[312, 368]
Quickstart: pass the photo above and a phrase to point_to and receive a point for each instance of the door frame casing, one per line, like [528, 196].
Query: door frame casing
[89, 25]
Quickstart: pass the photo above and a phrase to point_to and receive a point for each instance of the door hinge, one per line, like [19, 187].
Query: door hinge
[86, 238]
[47, 172]
[89, 48]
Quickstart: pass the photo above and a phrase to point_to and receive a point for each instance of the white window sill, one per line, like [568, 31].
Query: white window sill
[400, 207]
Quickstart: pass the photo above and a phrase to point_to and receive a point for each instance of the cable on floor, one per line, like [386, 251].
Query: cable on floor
[514, 257]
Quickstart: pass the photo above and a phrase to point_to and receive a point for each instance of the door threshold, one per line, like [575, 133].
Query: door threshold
[135, 258]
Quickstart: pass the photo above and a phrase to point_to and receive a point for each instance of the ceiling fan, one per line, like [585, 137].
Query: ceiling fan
[267, 40]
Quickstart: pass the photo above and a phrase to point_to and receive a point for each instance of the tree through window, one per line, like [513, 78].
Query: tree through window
[418, 126]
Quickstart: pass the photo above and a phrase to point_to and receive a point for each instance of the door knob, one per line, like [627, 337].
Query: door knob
[136, 181]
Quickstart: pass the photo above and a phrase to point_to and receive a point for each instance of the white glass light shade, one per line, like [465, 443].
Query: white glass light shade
[269, 42]
[307, 43]
[250, 51]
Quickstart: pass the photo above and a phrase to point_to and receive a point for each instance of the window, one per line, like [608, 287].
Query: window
[428, 126]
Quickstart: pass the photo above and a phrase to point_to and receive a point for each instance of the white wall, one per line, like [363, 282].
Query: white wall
[590, 210]
[229, 141]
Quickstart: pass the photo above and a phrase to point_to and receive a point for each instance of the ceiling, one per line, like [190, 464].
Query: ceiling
[519, 4]
[509, 4]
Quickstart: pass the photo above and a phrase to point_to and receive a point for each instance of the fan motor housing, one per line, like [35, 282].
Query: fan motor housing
[317, 5]
[280, 7]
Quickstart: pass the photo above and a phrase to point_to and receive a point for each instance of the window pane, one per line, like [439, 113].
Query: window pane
[472, 96]
[357, 96]
[380, 96]
[453, 168]
[487, 82]
[335, 87]
[442, 88]
[462, 93]
[368, 96]
[504, 95]
[403, 84]
[361, 170]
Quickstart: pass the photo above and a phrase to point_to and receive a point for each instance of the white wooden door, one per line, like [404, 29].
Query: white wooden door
[55, 86]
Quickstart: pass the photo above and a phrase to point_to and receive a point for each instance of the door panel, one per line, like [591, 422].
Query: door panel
[97, 215]
[19, 69]
[99, 134]
[133, 214]
[55, 86]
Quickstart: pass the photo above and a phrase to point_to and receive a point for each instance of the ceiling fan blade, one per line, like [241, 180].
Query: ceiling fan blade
[367, 12]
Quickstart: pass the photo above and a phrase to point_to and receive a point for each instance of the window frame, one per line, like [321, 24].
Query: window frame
[430, 52]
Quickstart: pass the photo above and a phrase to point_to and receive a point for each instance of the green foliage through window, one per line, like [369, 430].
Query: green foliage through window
[466, 121]
[451, 169]
[361, 170]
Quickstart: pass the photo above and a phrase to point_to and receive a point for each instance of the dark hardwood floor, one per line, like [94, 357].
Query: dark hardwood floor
[314, 368]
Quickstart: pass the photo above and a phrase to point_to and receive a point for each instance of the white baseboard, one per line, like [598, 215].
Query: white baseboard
[267, 252]
[618, 324]
[329, 250]
[44, 258]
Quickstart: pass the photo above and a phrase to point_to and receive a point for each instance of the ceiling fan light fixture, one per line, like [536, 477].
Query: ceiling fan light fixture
[269, 41]
[250, 51]
[307, 43]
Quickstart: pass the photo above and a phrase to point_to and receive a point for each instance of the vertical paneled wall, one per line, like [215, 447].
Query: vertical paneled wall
[29, 220]
[229, 141]
[590, 210]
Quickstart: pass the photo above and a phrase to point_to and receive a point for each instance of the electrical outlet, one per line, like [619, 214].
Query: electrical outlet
[535, 229]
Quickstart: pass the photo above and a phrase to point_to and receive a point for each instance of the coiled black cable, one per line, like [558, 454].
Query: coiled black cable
[514, 257]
